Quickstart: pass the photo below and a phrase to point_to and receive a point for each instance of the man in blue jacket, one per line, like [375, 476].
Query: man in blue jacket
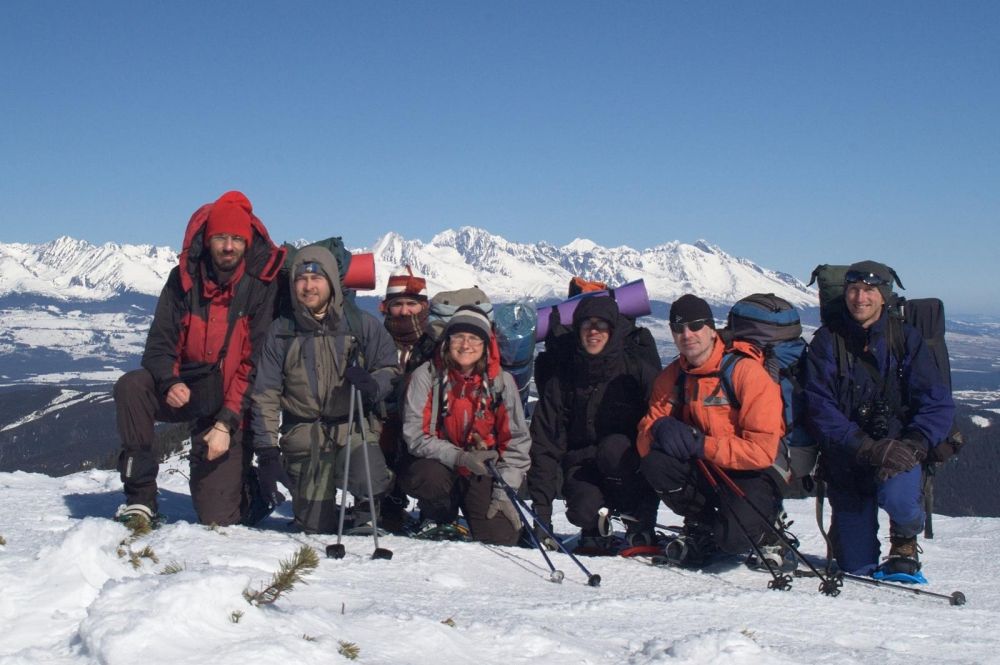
[877, 405]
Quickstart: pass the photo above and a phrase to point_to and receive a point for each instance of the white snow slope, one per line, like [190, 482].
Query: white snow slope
[68, 597]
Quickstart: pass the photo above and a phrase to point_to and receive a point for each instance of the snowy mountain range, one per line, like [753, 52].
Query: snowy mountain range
[70, 269]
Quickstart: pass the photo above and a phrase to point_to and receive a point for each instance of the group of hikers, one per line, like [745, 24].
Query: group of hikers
[270, 358]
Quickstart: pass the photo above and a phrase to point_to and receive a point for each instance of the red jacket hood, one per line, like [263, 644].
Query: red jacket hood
[263, 258]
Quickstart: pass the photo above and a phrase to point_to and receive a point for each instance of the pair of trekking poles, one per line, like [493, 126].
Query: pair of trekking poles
[337, 550]
[831, 582]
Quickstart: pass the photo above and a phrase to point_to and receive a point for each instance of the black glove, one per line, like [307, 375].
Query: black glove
[947, 449]
[362, 379]
[891, 456]
[677, 439]
[475, 461]
[270, 472]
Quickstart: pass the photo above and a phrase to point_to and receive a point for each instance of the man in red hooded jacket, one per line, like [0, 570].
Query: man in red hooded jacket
[211, 316]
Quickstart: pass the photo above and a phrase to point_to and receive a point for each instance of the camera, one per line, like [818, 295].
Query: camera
[873, 417]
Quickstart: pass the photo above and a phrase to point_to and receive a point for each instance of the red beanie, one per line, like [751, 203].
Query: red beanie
[230, 214]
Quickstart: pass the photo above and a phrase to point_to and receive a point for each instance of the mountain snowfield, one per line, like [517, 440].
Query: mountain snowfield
[75, 269]
[69, 597]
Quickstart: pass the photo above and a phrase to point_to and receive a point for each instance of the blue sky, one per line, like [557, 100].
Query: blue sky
[790, 133]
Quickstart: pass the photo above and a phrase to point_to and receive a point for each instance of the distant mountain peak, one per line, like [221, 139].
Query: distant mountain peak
[71, 269]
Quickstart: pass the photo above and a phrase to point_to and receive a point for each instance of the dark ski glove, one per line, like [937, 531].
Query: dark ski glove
[270, 472]
[362, 379]
[677, 439]
[501, 503]
[891, 456]
[475, 461]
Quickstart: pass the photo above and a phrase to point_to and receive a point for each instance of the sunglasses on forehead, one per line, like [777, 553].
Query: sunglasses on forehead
[693, 326]
[869, 278]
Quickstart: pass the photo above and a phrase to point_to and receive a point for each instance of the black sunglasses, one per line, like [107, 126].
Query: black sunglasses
[693, 326]
[869, 278]
[596, 324]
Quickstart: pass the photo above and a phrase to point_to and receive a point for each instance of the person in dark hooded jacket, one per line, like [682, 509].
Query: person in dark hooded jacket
[584, 429]
[213, 312]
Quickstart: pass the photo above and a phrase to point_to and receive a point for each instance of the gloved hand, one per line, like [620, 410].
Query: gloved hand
[501, 503]
[362, 379]
[891, 456]
[270, 472]
[677, 439]
[475, 461]
[544, 514]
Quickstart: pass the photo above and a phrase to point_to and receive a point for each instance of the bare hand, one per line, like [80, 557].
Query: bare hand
[178, 395]
[217, 440]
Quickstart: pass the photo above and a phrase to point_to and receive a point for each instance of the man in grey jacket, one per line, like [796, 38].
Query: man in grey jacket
[301, 395]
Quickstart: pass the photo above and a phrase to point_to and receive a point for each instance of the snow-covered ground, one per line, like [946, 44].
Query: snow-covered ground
[69, 597]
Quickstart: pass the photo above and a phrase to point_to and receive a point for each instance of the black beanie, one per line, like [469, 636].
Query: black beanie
[596, 307]
[690, 308]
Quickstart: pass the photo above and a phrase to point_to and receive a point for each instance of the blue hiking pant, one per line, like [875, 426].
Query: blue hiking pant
[854, 529]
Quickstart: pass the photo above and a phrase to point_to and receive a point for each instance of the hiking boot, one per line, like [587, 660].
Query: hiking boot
[904, 556]
[641, 530]
[776, 557]
[693, 548]
[138, 517]
[361, 513]
[592, 543]
[393, 516]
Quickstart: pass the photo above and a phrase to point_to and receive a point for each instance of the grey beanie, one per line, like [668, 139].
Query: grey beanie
[470, 319]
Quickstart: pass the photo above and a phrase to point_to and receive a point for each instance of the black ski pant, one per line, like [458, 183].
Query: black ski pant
[441, 492]
[217, 486]
[610, 479]
[682, 486]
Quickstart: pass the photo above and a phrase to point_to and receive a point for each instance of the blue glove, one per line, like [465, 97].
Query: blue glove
[676, 439]
[270, 472]
[362, 379]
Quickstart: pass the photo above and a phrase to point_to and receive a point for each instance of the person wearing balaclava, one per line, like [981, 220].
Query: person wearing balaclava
[406, 310]
[879, 407]
[583, 433]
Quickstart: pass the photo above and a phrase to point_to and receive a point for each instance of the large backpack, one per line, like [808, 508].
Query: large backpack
[772, 325]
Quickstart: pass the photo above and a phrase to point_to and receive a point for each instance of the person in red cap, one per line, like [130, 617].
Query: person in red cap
[406, 309]
[211, 316]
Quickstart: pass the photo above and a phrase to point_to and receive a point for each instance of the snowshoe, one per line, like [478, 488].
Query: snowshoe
[431, 530]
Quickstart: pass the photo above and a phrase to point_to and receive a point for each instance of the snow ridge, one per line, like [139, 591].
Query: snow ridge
[69, 269]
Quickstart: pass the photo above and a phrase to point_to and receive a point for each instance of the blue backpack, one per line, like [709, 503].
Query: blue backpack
[772, 325]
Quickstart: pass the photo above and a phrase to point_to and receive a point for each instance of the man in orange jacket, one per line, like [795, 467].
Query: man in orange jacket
[692, 417]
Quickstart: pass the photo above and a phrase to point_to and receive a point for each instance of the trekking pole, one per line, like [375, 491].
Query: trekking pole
[337, 550]
[592, 579]
[829, 584]
[380, 552]
[779, 581]
[555, 575]
[955, 599]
